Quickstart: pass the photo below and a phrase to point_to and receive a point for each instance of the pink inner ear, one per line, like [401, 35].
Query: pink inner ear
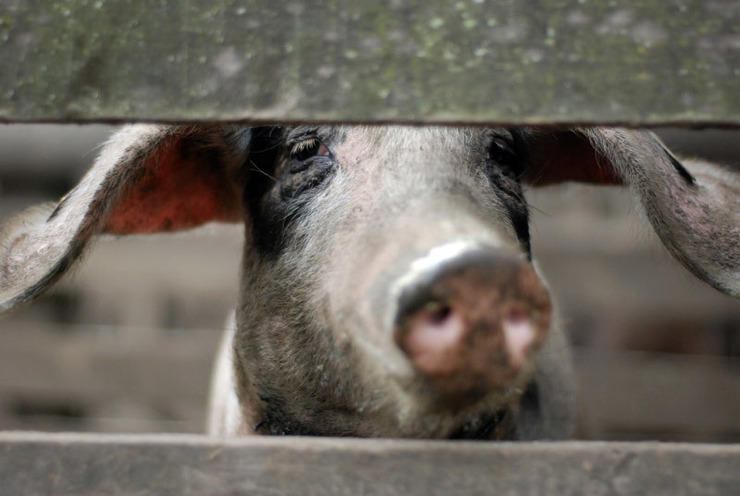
[177, 192]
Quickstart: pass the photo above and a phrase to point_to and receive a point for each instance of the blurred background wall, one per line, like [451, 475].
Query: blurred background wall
[127, 344]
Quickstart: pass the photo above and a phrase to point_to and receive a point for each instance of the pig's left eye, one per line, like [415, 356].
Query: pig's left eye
[505, 159]
[307, 148]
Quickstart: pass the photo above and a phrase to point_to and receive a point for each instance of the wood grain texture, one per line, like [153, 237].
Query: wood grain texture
[102, 464]
[504, 61]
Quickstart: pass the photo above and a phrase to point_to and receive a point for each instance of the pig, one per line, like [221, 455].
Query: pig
[387, 284]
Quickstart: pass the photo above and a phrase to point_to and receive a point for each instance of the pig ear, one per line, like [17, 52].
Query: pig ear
[694, 207]
[148, 178]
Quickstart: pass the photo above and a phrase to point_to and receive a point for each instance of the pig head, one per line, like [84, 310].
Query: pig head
[388, 287]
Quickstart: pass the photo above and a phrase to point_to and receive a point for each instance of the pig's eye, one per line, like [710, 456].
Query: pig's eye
[503, 157]
[309, 164]
[307, 148]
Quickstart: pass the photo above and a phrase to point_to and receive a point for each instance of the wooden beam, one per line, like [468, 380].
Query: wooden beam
[32, 463]
[503, 61]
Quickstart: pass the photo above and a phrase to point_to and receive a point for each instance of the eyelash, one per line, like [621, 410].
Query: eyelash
[307, 148]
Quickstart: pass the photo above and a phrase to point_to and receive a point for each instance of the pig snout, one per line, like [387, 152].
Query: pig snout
[470, 322]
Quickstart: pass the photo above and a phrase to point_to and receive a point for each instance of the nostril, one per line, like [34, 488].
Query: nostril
[437, 312]
[519, 333]
[431, 334]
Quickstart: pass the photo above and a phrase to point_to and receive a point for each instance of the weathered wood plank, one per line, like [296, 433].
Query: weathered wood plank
[523, 61]
[84, 465]
[628, 395]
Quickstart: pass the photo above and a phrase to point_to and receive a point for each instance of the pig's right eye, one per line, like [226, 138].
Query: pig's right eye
[310, 163]
[307, 148]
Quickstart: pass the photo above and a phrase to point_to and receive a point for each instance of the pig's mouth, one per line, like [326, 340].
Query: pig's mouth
[498, 426]
[477, 412]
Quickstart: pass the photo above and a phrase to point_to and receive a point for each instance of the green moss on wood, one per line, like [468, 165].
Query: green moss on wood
[477, 60]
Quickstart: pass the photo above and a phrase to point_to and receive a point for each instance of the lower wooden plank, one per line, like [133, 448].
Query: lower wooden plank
[33, 463]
